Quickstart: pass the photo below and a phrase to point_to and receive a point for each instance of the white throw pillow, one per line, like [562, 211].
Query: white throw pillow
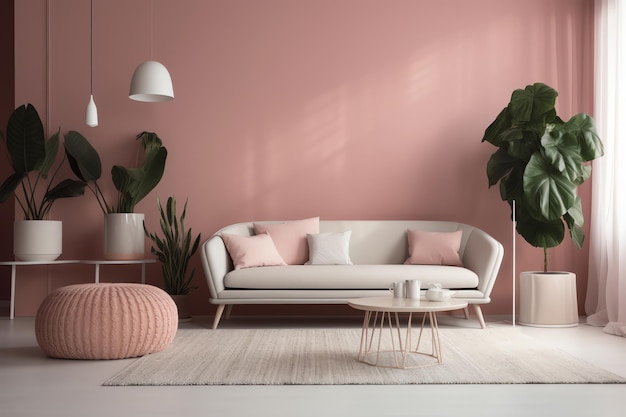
[329, 248]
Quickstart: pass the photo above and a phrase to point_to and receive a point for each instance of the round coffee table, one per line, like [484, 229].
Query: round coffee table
[383, 312]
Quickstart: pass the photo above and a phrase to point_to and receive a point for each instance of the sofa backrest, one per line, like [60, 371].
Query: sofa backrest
[374, 242]
[385, 241]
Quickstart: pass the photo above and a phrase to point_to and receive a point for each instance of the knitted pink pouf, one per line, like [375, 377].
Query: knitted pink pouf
[105, 321]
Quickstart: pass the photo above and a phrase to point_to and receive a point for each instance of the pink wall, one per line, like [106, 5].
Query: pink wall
[346, 109]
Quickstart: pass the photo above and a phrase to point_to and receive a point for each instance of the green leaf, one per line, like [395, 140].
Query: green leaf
[52, 148]
[25, 139]
[561, 150]
[537, 233]
[133, 184]
[583, 128]
[576, 233]
[575, 213]
[511, 185]
[547, 192]
[499, 165]
[65, 189]
[83, 158]
[149, 141]
[9, 186]
[532, 103]
[153, 168]
[522, 145]
[495, 129]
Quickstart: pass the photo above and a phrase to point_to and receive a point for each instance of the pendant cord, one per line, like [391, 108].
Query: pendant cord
[91, 47]
[151, 29]
[47, 65]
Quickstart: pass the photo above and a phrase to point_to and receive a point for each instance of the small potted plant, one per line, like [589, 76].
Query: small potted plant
[124, 236]
[174, 250]
[32, 157]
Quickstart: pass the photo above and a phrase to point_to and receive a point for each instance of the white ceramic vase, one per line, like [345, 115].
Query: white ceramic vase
[123, 236]
[37, 240]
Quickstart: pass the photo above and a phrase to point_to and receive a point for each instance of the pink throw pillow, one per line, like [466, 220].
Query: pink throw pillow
[434, 248]
[290, 238]
[250, 251]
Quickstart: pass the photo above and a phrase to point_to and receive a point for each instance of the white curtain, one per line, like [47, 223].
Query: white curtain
[606, 289]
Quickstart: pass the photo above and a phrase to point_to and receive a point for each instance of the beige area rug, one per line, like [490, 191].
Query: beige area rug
[329, 356]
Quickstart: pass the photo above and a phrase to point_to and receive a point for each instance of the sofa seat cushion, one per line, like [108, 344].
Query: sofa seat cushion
[348, 276]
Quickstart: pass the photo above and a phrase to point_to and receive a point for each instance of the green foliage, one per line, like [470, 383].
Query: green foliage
[174, 249]
[132, 184]
[32, 158]
[540, 162]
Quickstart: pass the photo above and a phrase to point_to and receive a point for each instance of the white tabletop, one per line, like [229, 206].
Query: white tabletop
[404, 305]
[77, 261]
[119, 262]
[55, 262]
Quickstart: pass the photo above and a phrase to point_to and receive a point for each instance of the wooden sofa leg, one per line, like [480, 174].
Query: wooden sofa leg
[466, 313]
[218, 315]
[479, 315]
[229, 308]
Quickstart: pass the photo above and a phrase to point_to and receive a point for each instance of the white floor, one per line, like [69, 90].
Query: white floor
[33, 385]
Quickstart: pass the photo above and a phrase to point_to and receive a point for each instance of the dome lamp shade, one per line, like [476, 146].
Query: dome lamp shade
[151, 82]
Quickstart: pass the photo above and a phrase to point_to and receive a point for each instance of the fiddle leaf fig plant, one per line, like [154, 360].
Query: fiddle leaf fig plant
[32, 158]
[132, 184]
[540, 162]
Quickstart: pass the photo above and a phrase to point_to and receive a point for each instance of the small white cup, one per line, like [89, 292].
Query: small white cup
[412, 289]
[397, 288]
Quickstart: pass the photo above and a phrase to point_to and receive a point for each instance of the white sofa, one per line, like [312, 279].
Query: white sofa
[378, 250]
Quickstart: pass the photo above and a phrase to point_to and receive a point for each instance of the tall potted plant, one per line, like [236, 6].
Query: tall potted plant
[32, 157]
[124, 236]
[174, 250]
[540, 162]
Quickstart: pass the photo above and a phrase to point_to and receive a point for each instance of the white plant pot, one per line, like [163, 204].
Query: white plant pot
[123, 236]
[548, 299]
[37, 240]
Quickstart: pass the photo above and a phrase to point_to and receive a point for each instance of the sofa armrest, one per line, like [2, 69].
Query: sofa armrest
[483, 254]
[216, 263]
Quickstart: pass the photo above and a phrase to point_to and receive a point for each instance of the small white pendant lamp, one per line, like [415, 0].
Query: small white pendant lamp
[91, 117]
[151, 81]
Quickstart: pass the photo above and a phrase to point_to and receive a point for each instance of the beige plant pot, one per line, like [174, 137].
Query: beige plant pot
[37, 240]
[548, 299]
[123, 236]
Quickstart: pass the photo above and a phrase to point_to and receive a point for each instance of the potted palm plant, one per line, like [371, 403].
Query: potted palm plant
[32, 157]
[124, 236]
[539, 164]
[174, 250]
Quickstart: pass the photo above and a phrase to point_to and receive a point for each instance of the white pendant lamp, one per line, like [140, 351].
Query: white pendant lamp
[91, 117]
[151, 81]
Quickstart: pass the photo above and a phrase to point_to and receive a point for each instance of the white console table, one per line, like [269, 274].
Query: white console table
[97, 263]
[141, 262]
